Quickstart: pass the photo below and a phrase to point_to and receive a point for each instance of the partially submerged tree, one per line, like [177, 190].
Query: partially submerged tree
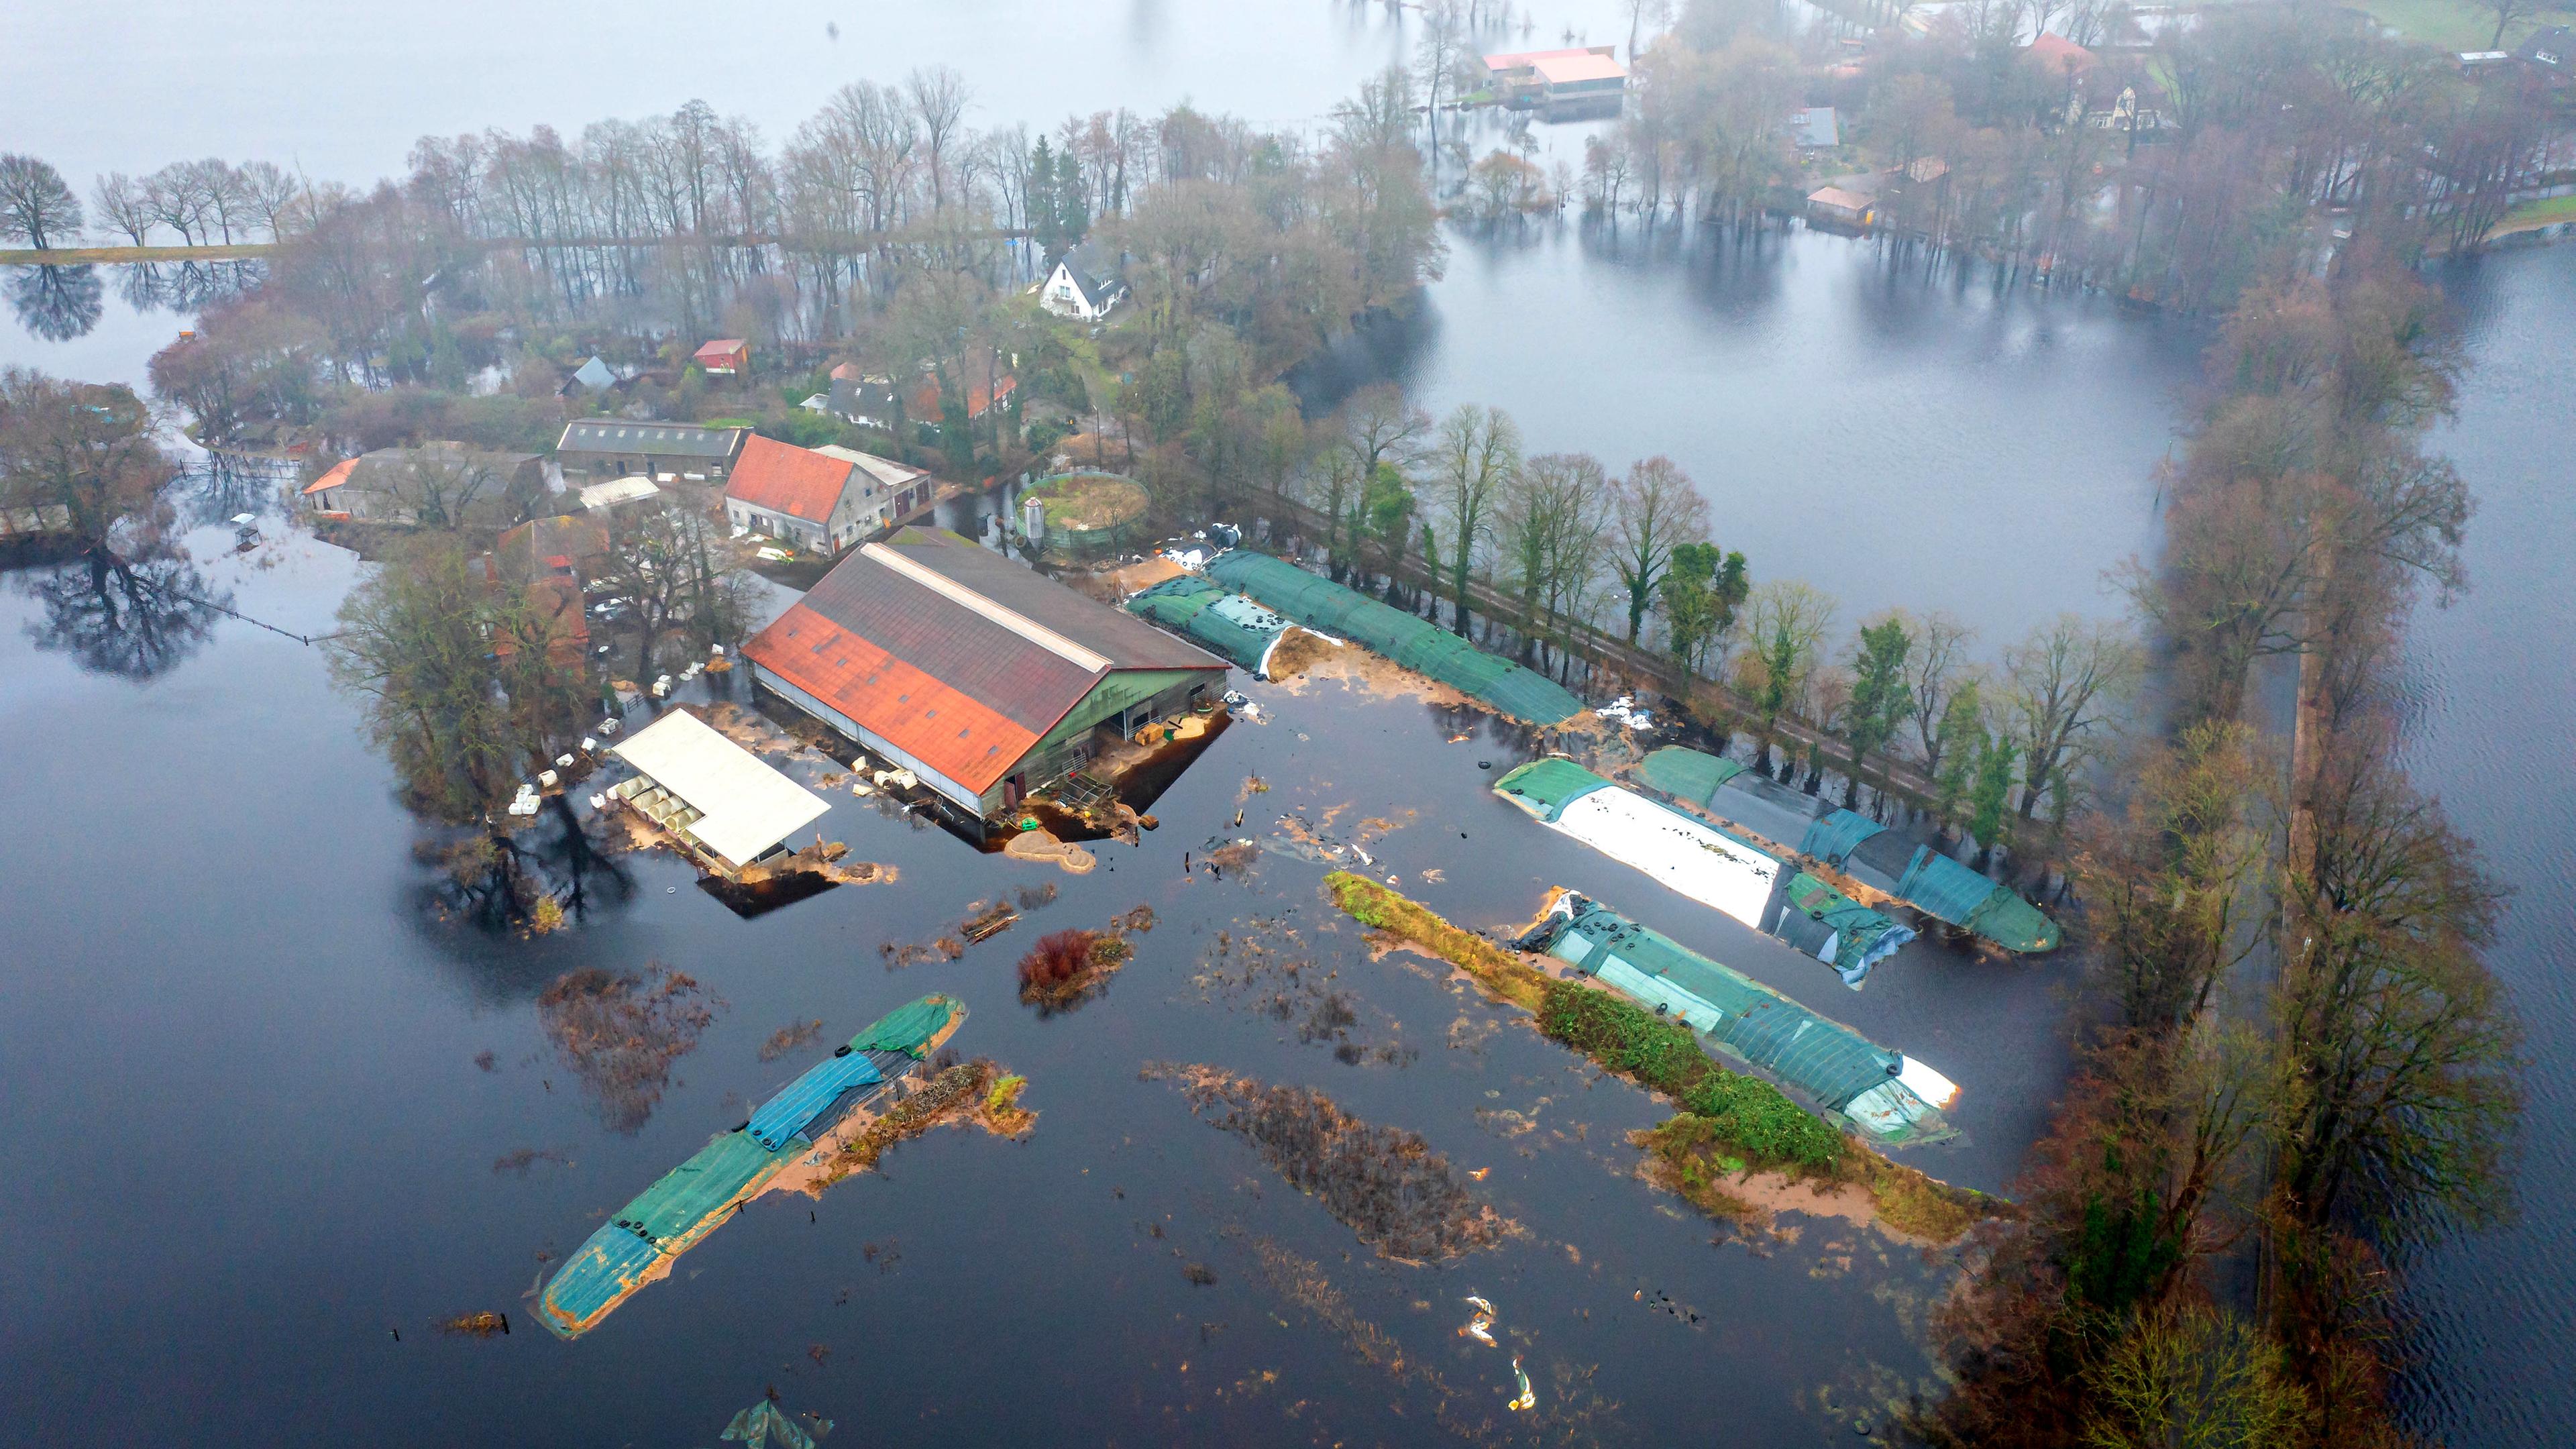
[2060, 684]
[1880, 697]
[1701, 594]
[1657, 509]
[1552, 523]
[415, 644]
[1472, 460]
[1788, 620]
[87, 454]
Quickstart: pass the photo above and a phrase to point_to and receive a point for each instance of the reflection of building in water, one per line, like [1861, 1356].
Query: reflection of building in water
[985, 679]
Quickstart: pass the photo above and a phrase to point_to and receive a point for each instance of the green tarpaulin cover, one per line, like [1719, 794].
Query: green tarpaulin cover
[1945, 889]
[1823, 1058]
[1417, 644]
[1197, 608]
[1545, 787]
[1833, 838]
[1860, 937]
[1691, 776]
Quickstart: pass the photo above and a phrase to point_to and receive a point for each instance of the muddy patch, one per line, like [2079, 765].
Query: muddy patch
[1383, 1183]
[1265, 968]
[620, 1032]
[788, 1038]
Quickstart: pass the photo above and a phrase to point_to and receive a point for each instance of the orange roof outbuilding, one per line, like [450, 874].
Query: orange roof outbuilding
[338, 475]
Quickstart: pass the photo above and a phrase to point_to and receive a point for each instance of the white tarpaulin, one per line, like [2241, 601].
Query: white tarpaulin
[1673, 848]
[744, 806]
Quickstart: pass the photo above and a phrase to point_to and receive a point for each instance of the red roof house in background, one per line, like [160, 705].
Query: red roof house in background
[925, 406]
[724, 357]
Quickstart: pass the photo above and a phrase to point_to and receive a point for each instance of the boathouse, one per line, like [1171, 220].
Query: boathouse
[984, 678]
[719, 802]
[1552, 76]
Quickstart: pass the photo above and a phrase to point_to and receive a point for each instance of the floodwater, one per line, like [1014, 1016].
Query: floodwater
[2492, 678]
[255, 1140]
[239, 1065]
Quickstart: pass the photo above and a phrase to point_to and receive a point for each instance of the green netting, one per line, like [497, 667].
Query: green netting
[2015, 924]
[1942, 888]
[696, 1197]
[1188, 606]
[910, 1027]
[1819, 1056]
[1691, 776]
[1862, 937]
[1426, 648]
[1546, 787]
[704, 1185]
[1834, 837]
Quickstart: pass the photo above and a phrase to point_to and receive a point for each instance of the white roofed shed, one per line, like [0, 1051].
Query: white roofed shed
[710, 791]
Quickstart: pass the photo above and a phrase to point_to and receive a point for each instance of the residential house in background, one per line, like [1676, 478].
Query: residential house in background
[2552, 52]
[607, 448]
[724, 357]
[441, 482]
[924, 406]
[1550, 77]
[860, 398]
[593, 376]
[1084, 285]
[982, 677]
[899, 490]
[821, 500]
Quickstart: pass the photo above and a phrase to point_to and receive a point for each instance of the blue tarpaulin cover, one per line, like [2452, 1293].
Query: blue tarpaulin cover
[786, 1114]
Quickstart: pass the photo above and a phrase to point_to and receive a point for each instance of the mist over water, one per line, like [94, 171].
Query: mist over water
[238, 1063]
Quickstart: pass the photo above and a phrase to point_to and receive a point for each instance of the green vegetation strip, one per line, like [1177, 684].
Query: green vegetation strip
[1730, 1124]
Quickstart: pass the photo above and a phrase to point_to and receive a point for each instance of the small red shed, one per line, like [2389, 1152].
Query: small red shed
[724, 357]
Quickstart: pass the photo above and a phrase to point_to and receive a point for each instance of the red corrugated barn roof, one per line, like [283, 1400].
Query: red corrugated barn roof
[784, 478]
[944, 728]
[955, 655]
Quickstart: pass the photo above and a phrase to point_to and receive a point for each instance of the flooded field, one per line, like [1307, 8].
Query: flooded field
[346, 1111]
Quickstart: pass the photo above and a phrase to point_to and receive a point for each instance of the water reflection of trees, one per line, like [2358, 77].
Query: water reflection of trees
[554, 872]
[186, 287]
[56, 303]
[222, 486]
[131, 618]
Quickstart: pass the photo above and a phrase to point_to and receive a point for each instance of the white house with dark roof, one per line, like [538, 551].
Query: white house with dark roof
[1084, 286]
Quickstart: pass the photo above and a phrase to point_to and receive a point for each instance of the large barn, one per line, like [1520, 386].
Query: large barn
[983, 678]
